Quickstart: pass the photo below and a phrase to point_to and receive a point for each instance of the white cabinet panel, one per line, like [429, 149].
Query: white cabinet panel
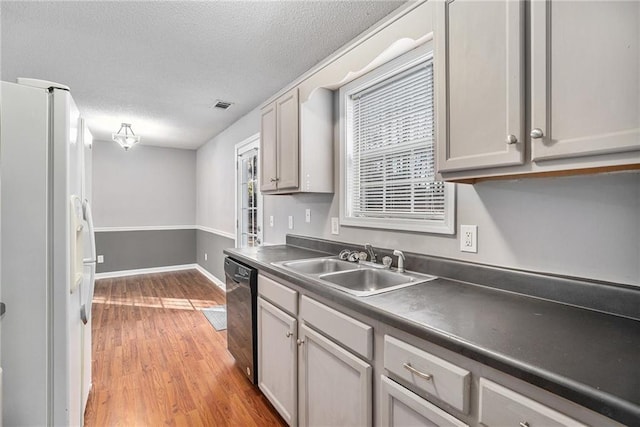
[268, 149]
[402, 408]
[288, 164]
[585, 67]
[479, 58]
[346, 330]
[277, 359]
[335, 386]
[446, 381]
[280, 295]
[500, 406]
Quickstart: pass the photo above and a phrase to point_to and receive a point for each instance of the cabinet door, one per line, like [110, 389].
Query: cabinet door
[335, 385]
[585, 78]
[479, 54]
[401, 407]
[277, 359]
[288, 140]
[268, 148]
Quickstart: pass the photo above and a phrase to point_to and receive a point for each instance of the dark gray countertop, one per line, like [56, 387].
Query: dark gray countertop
[588, 357]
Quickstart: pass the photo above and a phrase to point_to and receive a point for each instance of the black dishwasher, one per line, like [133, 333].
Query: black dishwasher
[242, 306]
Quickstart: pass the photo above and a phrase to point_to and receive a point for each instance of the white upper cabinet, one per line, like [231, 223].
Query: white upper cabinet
[585, 78]
[297, 144]
[268, 149]
[579, 86]
[479, 54]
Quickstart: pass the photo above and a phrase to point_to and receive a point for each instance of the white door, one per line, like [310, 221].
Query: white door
[248, 196]
[335, 386]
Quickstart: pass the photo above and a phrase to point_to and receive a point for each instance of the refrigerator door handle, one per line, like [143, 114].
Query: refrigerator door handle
[86, 209]
[85, 310]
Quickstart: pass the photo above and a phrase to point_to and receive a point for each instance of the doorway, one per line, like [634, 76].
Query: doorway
[248, 196]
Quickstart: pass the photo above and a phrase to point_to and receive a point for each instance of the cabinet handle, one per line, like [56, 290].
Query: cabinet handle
[413, 370]
[523, 424]
[289, 333]
[537, 133]
[512, 139]
[274, 179]
[300, 342]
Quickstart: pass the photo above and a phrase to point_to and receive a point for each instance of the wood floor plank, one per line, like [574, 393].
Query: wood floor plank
[157, 360]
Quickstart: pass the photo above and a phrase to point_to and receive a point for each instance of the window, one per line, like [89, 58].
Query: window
[388, 161]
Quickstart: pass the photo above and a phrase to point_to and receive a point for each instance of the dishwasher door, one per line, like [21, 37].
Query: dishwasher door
[242, 303]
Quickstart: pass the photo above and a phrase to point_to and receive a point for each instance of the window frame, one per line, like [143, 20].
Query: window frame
[386, 71]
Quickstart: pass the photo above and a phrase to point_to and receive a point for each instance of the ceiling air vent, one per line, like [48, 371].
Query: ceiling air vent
[223, 105]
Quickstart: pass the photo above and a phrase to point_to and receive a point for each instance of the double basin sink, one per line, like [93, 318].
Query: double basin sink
[360, 279]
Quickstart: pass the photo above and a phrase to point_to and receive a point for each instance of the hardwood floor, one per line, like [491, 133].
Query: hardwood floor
[157, 360]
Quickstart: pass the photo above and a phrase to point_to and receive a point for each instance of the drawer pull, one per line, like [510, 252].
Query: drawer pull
[524, 424]
[413, 370]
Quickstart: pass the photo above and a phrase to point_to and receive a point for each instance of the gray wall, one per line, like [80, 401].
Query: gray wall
[144, 187]
[215, 202]
[131, 250]
[212, 244]
[584, 226]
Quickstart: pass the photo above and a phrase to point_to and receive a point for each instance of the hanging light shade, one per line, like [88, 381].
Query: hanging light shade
[125, 136]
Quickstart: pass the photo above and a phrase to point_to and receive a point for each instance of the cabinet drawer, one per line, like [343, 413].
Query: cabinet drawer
[280, 295]
[500, 406]
[446, 381]
[401, 407]
[348, 331]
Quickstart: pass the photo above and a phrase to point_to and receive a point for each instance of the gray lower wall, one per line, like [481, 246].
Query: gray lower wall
[212, 244]
[132, 250]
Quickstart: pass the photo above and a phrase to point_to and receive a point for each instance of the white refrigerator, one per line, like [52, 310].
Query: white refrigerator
[47, 255]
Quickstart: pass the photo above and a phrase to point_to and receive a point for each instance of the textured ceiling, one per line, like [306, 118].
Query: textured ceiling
[160, 65]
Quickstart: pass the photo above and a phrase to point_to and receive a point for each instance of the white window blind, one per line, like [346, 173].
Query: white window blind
[390, 155]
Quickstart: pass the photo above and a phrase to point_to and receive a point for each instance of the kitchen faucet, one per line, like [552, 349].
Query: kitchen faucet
[400, 256]
[369, 249]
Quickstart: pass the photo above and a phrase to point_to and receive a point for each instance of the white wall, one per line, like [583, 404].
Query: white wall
[145, 186]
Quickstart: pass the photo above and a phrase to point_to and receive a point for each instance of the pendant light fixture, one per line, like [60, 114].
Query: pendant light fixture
[125, 136]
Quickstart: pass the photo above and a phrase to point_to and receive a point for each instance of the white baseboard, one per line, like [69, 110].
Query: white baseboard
[123, 273]
[211, 277]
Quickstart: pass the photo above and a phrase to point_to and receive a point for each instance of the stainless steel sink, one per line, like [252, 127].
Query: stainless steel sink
[354, 278]
[319, 265]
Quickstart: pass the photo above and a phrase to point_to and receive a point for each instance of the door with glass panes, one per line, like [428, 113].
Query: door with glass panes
[249, 209]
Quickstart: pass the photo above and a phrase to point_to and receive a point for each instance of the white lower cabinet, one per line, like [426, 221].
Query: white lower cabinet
[500, 406]
[278, 359]
[316, 365]
[401, 407]
[335, 386]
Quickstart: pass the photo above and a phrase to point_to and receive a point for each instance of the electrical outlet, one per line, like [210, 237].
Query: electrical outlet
[271, 221]
[100, 259]
[469, 238]
[307, 215]
[335, 225]
[290, 222]
[206, 256]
